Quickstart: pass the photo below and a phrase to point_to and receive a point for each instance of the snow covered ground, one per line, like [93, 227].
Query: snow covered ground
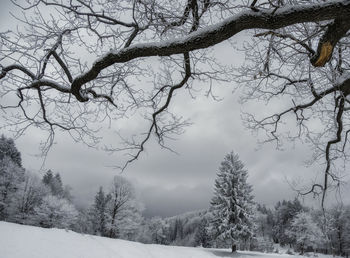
[19, 241]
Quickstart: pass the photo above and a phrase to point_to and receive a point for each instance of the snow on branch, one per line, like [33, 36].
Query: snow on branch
[212, 35]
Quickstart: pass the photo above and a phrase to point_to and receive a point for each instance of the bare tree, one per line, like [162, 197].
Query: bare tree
[123, 209]
[28, 197]
[74, 64]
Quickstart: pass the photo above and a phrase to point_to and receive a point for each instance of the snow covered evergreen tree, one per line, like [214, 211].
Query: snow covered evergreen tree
[232, 204]
[202, 237]
[54, 182]
[98, 213]
[11, 174]
[285, 212]
[11, 177]
[48, 177]
[9, 149]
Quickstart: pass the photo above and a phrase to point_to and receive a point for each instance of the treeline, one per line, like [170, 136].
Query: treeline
[303, 229]
[27, 199]
[116, 212]
[290, 224]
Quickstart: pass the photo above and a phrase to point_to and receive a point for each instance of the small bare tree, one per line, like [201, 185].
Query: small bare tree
[123, 209]
[75, 64]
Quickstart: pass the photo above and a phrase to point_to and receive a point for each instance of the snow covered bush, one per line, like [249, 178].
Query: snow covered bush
[262, 244]
[55, 212]
[305, 232]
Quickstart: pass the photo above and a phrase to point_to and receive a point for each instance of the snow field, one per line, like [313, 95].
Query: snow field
[21, 241]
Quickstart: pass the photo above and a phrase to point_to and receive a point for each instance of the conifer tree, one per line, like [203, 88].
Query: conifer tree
[201, 237]
[9, 149]
[232, 204]
[11, 174]
[48, 177]
[285, 212]
[54, 182]
[99, 212]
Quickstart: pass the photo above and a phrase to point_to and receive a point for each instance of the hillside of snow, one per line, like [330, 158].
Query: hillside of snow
[19, 241]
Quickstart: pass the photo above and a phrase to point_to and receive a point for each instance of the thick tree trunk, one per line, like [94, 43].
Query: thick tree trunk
[302, 249]
[233, 248]
[207, 37]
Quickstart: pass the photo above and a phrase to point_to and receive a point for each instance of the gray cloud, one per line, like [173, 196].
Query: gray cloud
[168, 202]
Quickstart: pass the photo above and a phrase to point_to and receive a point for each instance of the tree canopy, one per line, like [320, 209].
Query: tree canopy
[73, 65]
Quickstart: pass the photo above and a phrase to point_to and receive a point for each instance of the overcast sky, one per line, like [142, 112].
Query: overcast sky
[171, 184]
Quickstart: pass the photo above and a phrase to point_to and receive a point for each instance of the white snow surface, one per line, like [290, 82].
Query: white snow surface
[20, 241]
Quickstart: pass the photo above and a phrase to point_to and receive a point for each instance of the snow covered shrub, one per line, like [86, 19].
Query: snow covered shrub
[290, 252]
[262, 244]
[55, 212]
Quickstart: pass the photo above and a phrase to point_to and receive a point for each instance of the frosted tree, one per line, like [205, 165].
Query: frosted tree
[264, 221]
[9, 149]
[346, 233]
[123, 209]
[48, 177]
[158, 230]
[260, 220]
[144, 233]
[232, 204]
[84, 224]
[98, 212]
[285, 211]
[337, 224]
[11, 177]
[11, 174]
[177, 230]
[29, 196]
[337, 219]
[304, 231]
[71, 65]
[202, 237]
[130, 222]
[54, 182]
[55, 212]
